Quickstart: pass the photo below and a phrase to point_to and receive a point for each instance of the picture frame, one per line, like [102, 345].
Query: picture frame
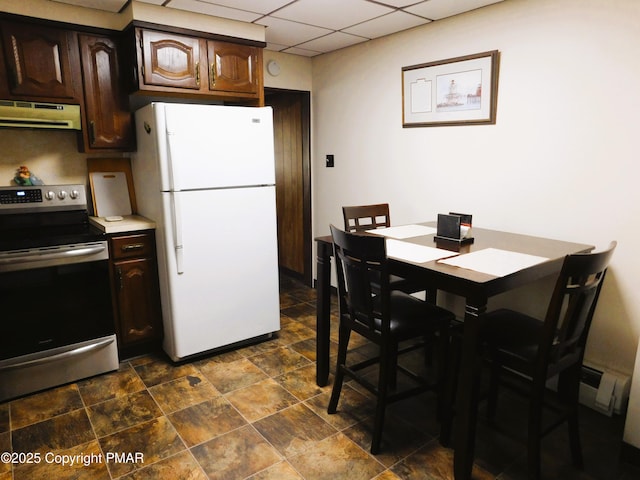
[455, 91]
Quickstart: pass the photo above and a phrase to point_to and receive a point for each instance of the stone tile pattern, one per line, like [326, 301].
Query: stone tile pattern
[256, 413]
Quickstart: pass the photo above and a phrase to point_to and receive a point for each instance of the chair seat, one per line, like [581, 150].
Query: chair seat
[411, 317]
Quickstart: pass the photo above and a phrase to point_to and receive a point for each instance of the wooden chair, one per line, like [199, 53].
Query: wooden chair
[536, 351]
[360, 218]
[383, 316]
[366, 217]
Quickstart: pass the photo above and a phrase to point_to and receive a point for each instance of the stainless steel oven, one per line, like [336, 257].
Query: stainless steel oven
[55, 299]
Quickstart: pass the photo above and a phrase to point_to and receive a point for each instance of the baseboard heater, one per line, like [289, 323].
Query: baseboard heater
[605, 392]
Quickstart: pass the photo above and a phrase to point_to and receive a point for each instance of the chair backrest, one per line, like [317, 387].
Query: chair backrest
[359, 259]
[571, 309]
[366, 217]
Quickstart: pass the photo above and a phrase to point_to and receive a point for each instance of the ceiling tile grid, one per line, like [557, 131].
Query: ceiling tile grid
[312, 27]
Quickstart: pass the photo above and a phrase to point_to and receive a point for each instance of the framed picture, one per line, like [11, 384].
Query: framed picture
[456, 91]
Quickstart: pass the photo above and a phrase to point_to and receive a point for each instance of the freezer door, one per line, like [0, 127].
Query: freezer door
[215, 146]
[227, 290]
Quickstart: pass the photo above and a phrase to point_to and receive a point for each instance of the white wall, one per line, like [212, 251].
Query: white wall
[560, 162]
[295, 71]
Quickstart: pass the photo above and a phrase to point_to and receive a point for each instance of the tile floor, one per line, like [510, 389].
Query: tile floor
[256, 413]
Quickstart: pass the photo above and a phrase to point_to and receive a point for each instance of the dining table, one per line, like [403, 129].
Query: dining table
[488, 263]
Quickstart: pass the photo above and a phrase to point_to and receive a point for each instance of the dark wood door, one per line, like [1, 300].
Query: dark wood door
[293, 180]
[135, 288]
[138, 313]
[108, 119]
[41, 61]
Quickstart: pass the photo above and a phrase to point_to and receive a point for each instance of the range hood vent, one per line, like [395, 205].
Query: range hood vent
[39, 115]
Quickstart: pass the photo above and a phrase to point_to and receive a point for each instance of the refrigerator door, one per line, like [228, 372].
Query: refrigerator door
[228, 289]
[216, 146]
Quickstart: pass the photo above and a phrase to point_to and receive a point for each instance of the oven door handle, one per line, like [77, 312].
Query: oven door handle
[52, 255]
[60, 356]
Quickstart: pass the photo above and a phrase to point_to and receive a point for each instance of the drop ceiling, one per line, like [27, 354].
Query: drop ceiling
[312, 27]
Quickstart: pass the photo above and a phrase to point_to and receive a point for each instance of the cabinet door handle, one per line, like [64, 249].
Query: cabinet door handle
[120, 282]
[132, 246]
[92, 132]
[198, 74]
[212, 74]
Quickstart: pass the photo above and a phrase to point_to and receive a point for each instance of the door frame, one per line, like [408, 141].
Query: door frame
[305, 99]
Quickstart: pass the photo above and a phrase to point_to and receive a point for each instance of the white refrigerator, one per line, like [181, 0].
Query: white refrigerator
[206, 175]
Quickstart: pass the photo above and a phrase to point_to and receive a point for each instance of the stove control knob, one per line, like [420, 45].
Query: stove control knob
[74, 194]
[50, 195]
[62, 194]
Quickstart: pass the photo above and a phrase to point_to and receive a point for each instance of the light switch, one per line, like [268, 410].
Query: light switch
[329, 161]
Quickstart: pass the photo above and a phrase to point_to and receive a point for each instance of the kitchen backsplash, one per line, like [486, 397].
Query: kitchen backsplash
[51, 155]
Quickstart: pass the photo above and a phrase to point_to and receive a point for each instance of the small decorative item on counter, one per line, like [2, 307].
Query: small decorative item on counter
[25, 178]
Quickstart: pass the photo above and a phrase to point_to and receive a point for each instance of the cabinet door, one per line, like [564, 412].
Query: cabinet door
[233, 68]
[109, 124]
[40, 61]
[137, 303]
[170, 60]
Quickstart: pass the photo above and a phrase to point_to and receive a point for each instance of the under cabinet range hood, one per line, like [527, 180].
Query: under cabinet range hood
[39, 115]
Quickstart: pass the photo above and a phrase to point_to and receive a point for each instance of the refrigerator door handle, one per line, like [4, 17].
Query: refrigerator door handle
[173, 172]
[177, 231]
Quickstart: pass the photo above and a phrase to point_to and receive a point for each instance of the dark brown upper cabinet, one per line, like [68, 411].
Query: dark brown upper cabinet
[108, 123]
[186, 65]
[41, 62]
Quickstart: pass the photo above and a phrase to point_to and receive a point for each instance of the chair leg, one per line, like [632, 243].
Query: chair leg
[443, 345]
[534, 433]
[569, 392]
[450, 385]
[343, 344]
[384, 377]
[392, 373]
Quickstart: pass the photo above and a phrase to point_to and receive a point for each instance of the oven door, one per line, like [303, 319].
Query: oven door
[53, 297]
[56, 316]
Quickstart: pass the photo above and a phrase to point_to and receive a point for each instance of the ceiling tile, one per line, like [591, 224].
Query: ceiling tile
[334, 14]
[154, 2]
[301, 51]
[399, 3]
[438, 9]
[275, 47]
[259, 6]
[333, 41]
[386, 25]
[215, 10]
[289, 33]
[107, 5]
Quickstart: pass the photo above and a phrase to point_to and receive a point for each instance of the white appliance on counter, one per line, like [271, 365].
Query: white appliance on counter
[206, 175]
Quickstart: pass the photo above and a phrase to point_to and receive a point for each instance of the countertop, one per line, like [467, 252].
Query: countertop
[129, 223]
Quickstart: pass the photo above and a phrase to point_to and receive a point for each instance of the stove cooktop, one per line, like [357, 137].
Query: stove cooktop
[43, 216]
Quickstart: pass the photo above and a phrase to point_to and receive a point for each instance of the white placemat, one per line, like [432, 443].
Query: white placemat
[404, 231]
[494, 261]
[415, 253]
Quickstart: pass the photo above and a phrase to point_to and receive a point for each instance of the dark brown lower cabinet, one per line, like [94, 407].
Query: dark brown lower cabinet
[136, 296]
